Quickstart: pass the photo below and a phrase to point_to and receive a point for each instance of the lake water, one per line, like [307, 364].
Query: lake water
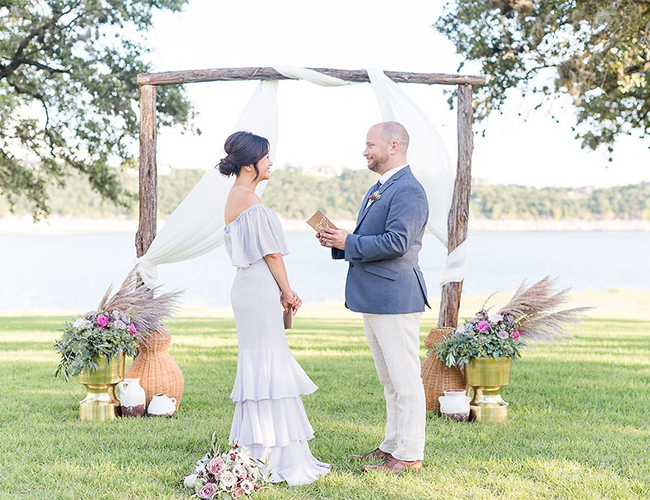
[72, 272]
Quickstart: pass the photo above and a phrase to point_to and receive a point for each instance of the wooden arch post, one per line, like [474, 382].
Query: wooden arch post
[458, 215]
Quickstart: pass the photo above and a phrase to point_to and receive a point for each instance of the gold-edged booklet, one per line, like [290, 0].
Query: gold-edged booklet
[319, 220]
[287, 317]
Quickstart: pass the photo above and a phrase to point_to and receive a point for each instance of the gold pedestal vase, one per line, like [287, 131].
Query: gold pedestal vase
[100, 403]
[488, 377]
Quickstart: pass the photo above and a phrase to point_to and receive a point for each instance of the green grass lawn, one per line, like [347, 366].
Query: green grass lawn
[579, 423]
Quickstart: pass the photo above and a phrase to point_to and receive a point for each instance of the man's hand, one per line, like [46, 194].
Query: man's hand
[332, 238]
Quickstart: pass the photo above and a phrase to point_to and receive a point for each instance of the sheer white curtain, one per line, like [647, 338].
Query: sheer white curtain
[196, 226]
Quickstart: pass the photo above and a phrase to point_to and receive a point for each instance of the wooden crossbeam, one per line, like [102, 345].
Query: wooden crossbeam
[357, 75]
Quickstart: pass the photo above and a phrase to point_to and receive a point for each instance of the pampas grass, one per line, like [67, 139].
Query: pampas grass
[147, 311]
[535, 308]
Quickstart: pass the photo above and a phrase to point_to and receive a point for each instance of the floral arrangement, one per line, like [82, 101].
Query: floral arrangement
[116, 327]
[231, 474]
[96, 333]
[530, 316]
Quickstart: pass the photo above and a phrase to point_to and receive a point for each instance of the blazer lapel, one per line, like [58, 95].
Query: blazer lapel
[364, 211]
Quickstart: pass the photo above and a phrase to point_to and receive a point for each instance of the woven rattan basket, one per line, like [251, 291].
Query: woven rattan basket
[436, 377]
[157, 371]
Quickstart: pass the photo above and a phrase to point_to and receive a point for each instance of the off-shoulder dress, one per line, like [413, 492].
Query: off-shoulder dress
[270, 420]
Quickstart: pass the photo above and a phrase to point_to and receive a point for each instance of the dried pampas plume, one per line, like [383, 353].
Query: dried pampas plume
[535, 308]
[147, 311]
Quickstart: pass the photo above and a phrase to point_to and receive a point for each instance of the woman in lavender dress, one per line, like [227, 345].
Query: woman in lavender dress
[270, 420]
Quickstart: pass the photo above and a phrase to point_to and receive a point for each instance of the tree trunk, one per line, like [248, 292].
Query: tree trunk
[148, 172]
[459, 212]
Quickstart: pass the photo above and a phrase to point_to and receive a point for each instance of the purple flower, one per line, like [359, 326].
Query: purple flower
[483, 326]
[102, 321]
[207, 492]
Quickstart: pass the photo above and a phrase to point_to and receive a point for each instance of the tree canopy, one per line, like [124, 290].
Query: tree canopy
[597, 52]
[68, 93]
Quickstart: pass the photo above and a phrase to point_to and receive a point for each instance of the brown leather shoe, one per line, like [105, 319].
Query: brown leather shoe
[394, 465]
[375, 454]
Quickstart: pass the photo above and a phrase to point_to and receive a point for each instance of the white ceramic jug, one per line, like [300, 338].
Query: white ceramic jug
[162, 406]
[132, 397]
[455, 404]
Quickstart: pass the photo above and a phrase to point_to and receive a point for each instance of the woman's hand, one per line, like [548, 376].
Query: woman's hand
[290, 301]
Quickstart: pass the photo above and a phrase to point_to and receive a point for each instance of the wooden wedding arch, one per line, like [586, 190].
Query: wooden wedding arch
[458, 214]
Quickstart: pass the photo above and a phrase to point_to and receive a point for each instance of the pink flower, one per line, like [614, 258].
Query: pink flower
[483, 326]
[215, 466]
[515, 334]
[207, 492]
[237, 492]
[120, 324]
[503, 335]
[102, 321]
[131, 327]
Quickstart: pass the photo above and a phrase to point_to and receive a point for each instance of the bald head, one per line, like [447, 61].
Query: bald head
[386, 145]
[394, 132]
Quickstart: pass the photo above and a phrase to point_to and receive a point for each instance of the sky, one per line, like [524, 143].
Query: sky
[327, 126]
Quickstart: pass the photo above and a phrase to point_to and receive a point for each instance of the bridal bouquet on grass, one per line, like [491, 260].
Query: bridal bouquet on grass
[221, 475]
[530, 316]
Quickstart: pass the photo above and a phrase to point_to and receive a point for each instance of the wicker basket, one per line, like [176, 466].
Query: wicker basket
[436, 377]
[157, 371]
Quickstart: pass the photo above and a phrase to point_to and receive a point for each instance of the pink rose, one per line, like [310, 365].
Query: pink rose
[503, 335]
[102, 321]
[237, 492]
[215, 466]
[483, 326]
[207, 492]
[515, 334]
[131, 328]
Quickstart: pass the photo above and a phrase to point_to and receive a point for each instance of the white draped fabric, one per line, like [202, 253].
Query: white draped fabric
[196, 226]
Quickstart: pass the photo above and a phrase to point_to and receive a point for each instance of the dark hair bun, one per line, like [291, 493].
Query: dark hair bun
[227, 167]
[242, 148]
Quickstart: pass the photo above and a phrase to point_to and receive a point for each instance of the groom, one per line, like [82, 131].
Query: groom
[386, 285]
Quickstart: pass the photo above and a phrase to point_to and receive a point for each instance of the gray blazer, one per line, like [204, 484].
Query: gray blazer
[383, 275]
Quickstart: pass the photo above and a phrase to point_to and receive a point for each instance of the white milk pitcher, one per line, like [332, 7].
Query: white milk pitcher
[162, 406]
[132, 397]
[455, 404]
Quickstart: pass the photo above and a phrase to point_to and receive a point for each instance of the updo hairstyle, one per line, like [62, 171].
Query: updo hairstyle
[243, 148]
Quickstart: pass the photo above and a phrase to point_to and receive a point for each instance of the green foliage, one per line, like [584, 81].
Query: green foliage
[83, 342]
[296, 196]
[480, 337]
[572, 432]
[68, 94]
[597, 52]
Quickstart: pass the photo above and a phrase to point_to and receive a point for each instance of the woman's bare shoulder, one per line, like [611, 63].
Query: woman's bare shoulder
[239, 199]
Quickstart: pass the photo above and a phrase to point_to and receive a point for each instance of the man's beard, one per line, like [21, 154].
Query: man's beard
[377, 164]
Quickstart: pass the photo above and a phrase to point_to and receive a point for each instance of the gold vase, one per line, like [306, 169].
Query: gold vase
[487, 377]
[100, 403]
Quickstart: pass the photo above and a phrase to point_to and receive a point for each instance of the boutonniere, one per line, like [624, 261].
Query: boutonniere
[374, 197]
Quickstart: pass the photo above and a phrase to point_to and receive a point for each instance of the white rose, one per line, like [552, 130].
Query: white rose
[495, 318]
[228, 479]
[190, 480]
[80, 323]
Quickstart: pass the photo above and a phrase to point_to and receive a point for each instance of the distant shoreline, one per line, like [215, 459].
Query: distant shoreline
[67, 225]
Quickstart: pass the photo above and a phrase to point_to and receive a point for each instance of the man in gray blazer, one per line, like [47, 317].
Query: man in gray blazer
[386, 285]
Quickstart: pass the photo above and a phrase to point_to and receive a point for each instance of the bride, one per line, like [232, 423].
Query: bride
[270, 420]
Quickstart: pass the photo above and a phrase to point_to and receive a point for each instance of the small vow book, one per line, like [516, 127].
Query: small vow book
[288, 319]
[319, 220]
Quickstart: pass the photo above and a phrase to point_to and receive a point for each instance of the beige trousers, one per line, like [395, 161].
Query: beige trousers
[394, 341]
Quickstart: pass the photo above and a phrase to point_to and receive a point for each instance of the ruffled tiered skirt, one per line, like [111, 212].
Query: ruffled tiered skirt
[270, 420]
